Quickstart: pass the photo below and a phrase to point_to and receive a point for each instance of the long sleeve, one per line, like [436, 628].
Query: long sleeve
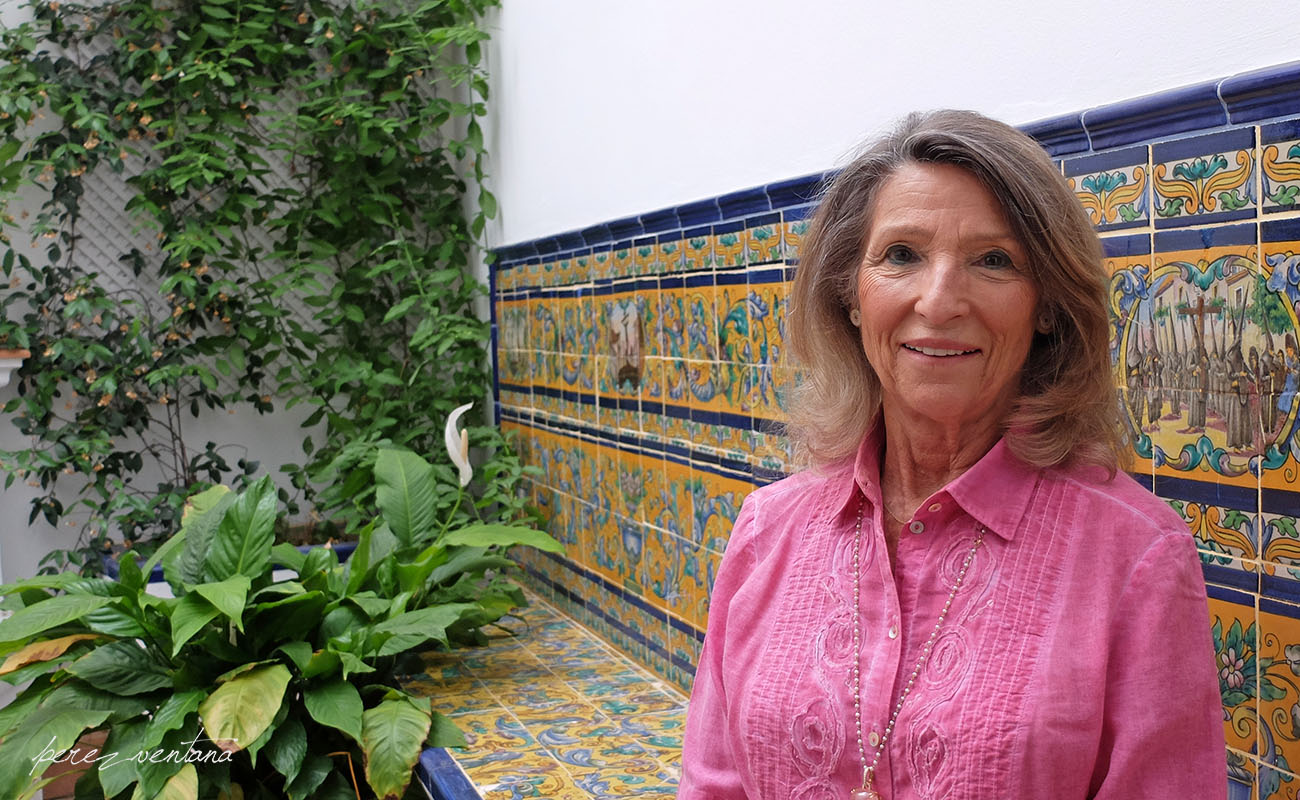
[709, 765]
[1162, 732]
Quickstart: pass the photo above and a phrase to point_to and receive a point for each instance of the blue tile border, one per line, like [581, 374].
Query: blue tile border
[1263, 93]
[1188, 108]
[1061, 135]
[443, 777]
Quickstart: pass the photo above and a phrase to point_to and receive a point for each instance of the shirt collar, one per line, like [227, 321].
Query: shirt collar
[996, 490]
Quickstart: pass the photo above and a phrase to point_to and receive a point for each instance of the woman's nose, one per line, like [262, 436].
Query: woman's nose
[942, 293]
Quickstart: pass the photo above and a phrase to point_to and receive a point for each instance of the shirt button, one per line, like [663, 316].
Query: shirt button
[917, 526]
[934, 507]
[873, 739]
[893, 631]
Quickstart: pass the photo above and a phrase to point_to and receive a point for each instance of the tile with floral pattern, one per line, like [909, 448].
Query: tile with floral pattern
[697, 249]
[1236, 641]
[1279, 160]
[763, 240]
[1204, 178]
[1278, 666]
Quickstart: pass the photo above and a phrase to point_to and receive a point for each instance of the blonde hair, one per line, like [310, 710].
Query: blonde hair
[1067, 411]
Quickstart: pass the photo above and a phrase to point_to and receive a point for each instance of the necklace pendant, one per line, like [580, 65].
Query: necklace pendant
[863, 793]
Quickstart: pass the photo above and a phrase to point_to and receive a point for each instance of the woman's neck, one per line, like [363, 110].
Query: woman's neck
[922, 456]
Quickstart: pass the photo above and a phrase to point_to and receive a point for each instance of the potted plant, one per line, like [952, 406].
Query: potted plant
[244, 685]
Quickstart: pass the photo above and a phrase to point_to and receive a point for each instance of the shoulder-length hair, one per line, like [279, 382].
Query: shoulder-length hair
[1067, 410]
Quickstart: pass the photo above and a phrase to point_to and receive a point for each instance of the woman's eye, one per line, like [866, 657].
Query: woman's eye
[899, 254]
[995, 259]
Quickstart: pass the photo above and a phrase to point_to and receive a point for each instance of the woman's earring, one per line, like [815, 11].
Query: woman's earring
[855, 316]
[1044, 323]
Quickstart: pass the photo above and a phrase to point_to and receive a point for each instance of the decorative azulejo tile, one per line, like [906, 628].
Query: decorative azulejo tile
[697, 249]
[1113, 187]
[1236, 653]
[1279, 694]
[1205, 179]
[700, 300]
[1279, 160]
[763, 239]
[671, 252]
[794, 225]
[729, 244]
[1192, 349]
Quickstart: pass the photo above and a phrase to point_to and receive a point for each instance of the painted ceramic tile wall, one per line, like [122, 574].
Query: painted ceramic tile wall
[640, 365]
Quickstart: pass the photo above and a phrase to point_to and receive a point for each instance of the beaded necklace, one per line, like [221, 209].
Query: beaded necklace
[866, 791]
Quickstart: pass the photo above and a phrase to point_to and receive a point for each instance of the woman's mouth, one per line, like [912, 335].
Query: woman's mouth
[938, 351]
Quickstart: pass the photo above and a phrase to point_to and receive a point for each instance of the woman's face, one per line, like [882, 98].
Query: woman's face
[947, 304]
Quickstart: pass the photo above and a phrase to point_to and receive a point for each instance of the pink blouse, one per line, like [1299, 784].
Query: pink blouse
[1075, 662]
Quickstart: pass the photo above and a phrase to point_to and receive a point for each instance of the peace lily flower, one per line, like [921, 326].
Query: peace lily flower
[458, 444]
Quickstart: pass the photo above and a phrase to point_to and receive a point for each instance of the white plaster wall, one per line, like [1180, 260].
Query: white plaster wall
[606, 108]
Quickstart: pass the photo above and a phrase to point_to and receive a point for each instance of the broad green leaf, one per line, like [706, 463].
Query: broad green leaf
[469, 560]
[60, 580]
[286, 555]
[172, 715]
[188, 618]
[358, 565]
[21, 706]
[242, 542]
[444, 733]
[287, 748]
[392, 735]
[485, 535]
[123, 667]
[353, 665]
[313, 771]
[27, 622]
[126, 739]
[424, 623]
[411, 576]
[229, 597]
[116, 621]
[42, 737]
[293, 617]
[173, 544]
[371, 603]
[199, 528]
[323, 662]
[404, 493]
[184, 785]
[298, 652]
[42, 651]
[241, 709]
[336, 704]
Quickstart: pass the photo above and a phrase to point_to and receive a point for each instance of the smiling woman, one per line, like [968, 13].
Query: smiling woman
[904, 619]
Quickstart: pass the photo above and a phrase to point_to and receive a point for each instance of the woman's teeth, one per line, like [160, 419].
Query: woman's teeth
[937, 351]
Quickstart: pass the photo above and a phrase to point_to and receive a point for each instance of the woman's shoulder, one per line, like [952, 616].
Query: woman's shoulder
[1119, 502]
[790, 503]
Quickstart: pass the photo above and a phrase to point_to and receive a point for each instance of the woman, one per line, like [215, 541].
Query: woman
[964, 598]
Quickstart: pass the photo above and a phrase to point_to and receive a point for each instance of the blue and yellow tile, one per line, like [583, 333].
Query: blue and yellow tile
[763, 239]
[1236, 643]
[729, 244]
[1278, 666]
[1205, 178]
[1113, 187]
[671, 252]
[697, 249]
[1279, 161]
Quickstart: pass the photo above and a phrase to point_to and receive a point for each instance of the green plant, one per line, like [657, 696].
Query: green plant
[292, 682]
[296, 169]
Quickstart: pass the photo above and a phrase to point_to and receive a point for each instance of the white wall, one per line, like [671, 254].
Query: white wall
[603, 109]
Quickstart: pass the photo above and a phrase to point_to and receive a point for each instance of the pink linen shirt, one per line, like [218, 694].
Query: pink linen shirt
[1075, 662]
